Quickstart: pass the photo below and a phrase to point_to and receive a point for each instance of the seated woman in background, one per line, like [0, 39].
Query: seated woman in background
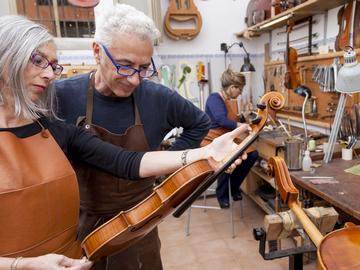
[39, 195]
[223, 119]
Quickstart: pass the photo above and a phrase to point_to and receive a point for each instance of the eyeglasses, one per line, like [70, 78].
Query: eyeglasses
[129, 71]
[41, 61]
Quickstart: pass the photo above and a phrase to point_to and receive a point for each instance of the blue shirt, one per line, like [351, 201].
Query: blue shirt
[216, 110]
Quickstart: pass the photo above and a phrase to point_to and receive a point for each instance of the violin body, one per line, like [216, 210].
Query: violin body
[344, 22]
[257, 11]
[179, 190]
[182, 11]
[292, 75]
[130, 225]
[356, 31]
[339, 249]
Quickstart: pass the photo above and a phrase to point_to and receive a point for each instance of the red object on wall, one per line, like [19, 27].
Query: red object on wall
[84, 3]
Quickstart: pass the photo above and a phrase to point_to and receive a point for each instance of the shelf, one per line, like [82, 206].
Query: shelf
[298, 118]
[306, 9]
[263, 176]
[262, 204]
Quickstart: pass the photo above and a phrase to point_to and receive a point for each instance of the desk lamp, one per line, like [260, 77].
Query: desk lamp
[304, 91]
[247, 66]
[347, 82]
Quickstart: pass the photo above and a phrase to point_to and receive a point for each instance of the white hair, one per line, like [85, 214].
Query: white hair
[122, 18]
[19, 38]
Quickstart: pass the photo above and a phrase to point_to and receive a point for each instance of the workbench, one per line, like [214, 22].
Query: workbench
[344, 195]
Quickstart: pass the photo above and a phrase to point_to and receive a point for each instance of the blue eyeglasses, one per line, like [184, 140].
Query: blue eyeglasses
[129, 71]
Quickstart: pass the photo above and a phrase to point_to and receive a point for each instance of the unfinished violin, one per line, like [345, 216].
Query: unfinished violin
[182, 12]
[292, 76]
[344, 22]
[179, 188]
[339, 249]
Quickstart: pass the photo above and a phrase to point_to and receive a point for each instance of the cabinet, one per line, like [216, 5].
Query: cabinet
[306, 9]
[266, 146]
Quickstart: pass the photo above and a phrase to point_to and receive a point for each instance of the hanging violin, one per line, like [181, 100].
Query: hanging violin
[179, 190]
[339, 249]
[292, 76]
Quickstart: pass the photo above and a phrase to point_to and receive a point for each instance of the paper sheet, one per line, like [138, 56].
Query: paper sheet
[354, 170]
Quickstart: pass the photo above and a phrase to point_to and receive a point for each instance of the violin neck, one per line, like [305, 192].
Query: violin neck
[313, 232]
[235, 153]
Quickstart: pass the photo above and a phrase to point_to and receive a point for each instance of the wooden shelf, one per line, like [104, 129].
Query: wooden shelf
[262, 204]
[306, 9]
[263, 176]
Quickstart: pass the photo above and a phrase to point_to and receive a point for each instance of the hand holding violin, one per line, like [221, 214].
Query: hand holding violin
[223, 147]
[47, 262]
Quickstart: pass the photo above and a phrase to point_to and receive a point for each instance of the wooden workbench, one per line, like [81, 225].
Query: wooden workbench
[344, 195]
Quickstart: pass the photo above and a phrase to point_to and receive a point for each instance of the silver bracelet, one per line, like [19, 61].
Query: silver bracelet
[15, 262]
[183, 157]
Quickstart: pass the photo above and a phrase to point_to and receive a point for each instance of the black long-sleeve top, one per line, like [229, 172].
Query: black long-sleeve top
[161, 109]
[79, 144]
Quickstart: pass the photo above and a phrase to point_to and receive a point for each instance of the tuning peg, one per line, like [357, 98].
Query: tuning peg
[254, 118]
[261, 106]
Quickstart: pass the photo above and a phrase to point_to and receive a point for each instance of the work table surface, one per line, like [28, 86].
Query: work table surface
[345, 194]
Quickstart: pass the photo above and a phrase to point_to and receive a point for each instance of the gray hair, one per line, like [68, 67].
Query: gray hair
[122, 18]
[19, 38]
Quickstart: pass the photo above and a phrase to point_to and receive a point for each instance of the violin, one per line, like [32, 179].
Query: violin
[179, 190]
[182, 11]
[344, 22]
[339, 249]
[292, 76]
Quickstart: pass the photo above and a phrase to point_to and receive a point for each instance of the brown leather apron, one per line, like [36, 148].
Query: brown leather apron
[102, 195]
[216, 132]
[39, 197]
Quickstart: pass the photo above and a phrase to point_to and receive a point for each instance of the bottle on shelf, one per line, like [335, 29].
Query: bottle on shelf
[306, 162]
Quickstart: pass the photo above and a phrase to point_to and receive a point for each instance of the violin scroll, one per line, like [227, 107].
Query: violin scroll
[272, 100]
[278, 169]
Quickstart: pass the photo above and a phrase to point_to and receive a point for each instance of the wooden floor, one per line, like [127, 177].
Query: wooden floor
[210, 245]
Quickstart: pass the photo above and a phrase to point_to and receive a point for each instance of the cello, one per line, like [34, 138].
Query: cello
[339, 249]
[179, 190]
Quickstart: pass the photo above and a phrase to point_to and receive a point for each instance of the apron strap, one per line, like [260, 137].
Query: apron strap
[90, 104]
[90, 99]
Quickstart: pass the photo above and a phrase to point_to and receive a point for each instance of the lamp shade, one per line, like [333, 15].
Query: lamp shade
[247, 66]
[348, 76]
[303, 90]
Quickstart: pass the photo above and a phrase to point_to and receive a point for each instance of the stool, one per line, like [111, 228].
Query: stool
[205, 207]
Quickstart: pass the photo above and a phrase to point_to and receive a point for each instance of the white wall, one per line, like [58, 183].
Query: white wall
[221, 19]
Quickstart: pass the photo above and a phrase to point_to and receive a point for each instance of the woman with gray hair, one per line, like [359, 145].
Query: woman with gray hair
[39, 194]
